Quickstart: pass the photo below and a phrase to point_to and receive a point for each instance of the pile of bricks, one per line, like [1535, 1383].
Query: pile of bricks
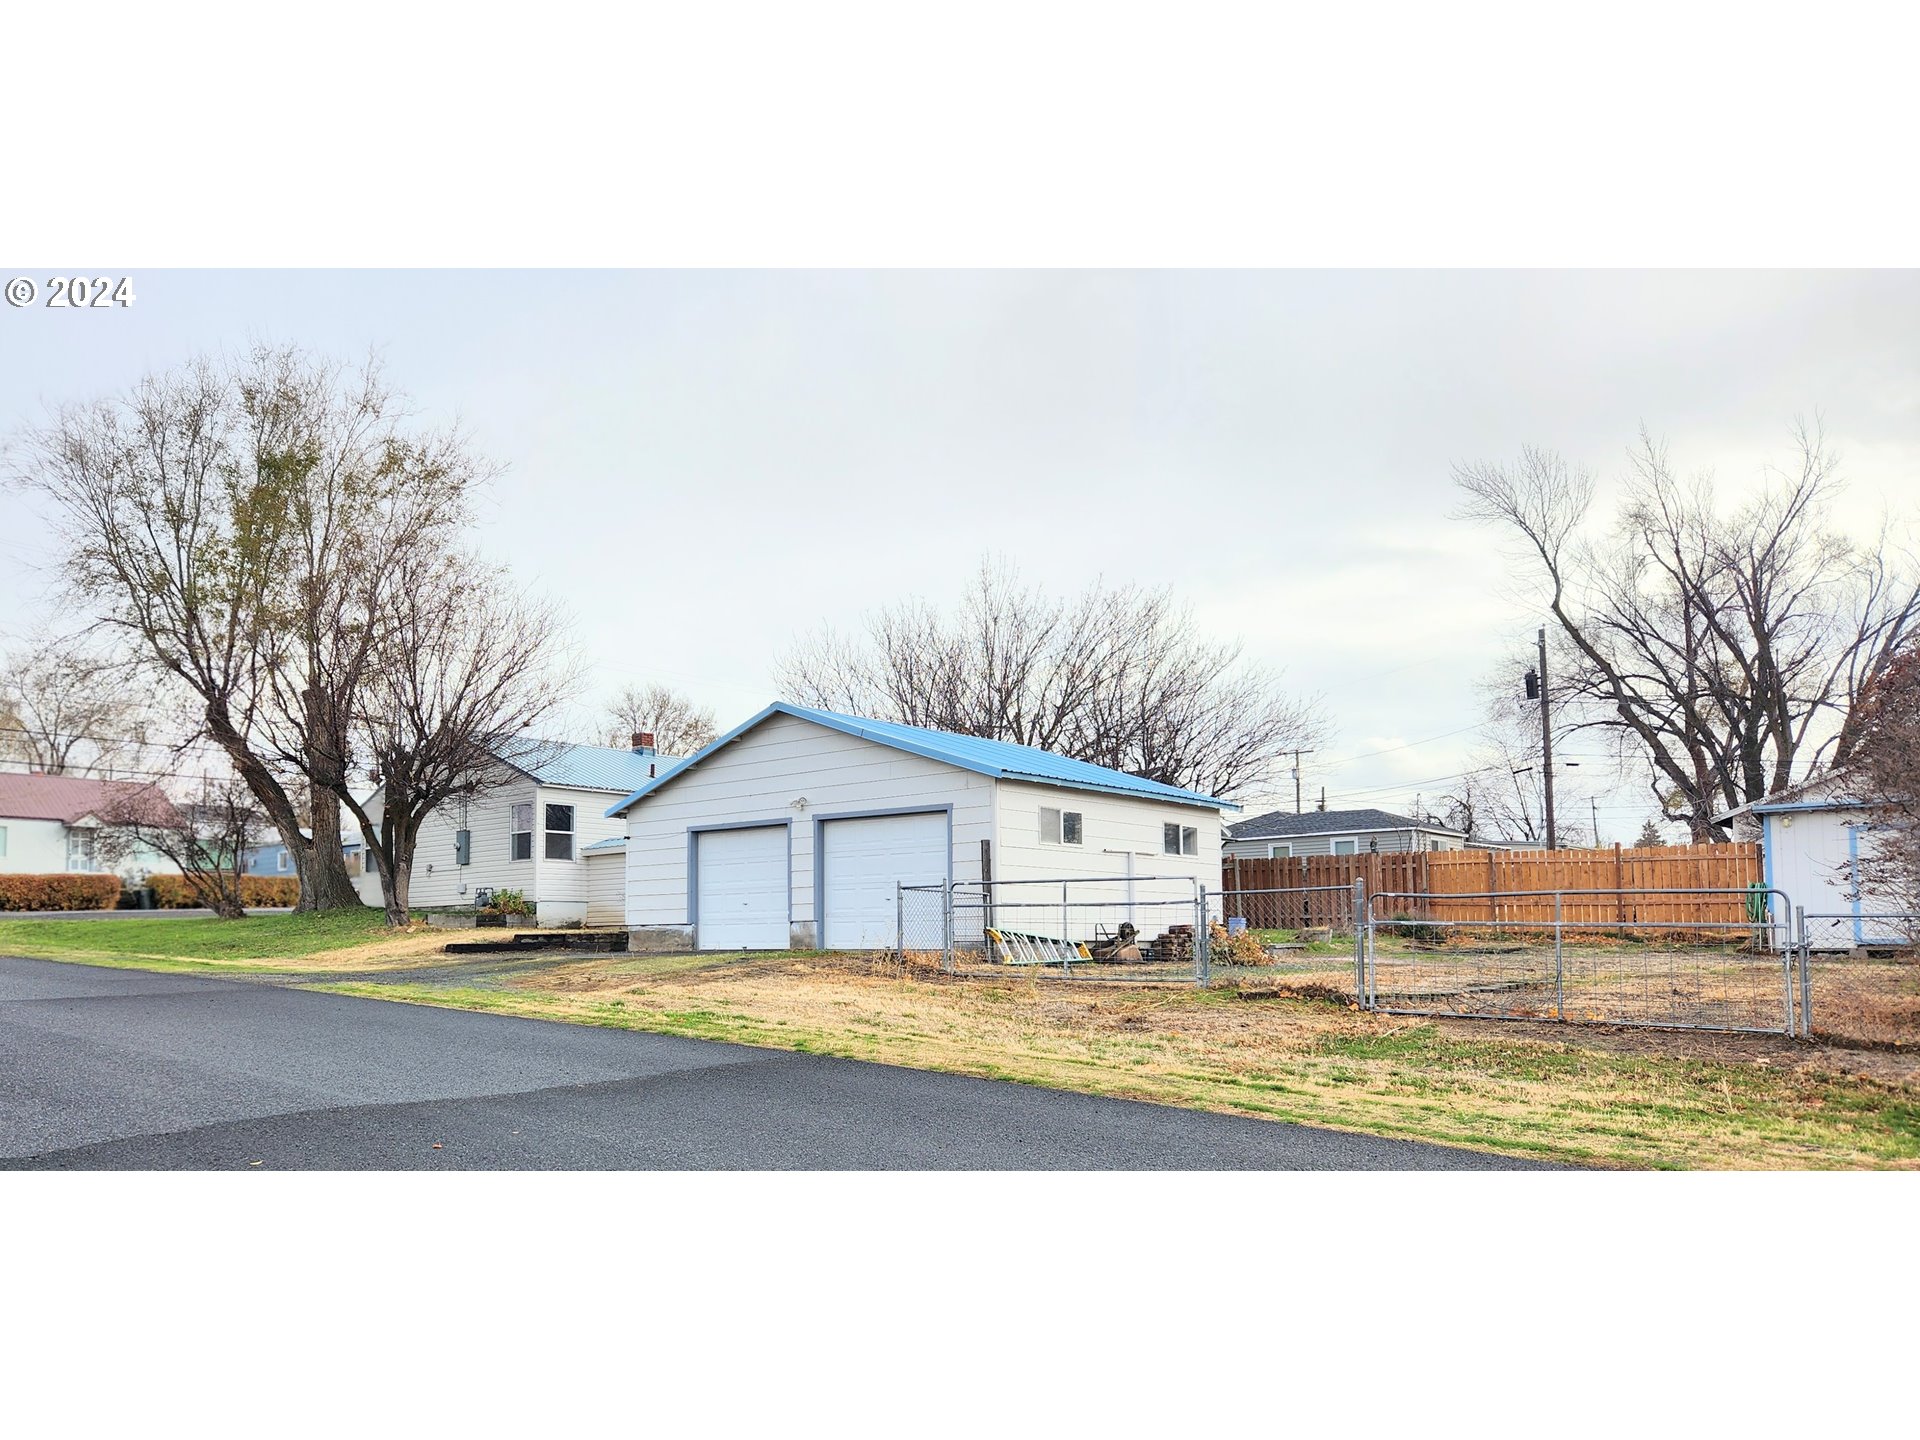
[1176, 945]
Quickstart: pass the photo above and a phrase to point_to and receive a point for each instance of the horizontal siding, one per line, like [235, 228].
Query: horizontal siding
[606, 887]
[564, 882]
[758, 777]
[438, 881]
[1115, 832]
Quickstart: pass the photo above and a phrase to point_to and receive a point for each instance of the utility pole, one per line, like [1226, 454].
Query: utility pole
[1546, 742]
[1593, 807]
[1296, 779]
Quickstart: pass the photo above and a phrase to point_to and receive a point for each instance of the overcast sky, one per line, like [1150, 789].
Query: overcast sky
[704, 465]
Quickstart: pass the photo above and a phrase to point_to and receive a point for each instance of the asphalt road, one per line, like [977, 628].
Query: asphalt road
[125, 1070]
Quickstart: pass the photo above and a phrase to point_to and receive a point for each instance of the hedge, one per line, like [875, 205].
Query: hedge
[171, 892]
[59, 892]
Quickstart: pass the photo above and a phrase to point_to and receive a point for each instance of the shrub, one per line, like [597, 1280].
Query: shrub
[59, 892]
[172, 892]
[507, 902]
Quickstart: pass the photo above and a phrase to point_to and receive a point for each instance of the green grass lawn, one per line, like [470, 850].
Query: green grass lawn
[192, 941]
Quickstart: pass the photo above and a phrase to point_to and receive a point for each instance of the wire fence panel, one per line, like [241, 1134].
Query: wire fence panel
[1570, 960]
[1858, 977]
[1139, 929]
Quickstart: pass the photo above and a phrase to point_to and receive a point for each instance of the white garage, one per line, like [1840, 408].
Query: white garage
[863, 859]
[797, 828]
[741, 888]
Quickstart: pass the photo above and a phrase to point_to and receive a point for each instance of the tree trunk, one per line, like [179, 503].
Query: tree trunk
[325, 876]
[396, 894]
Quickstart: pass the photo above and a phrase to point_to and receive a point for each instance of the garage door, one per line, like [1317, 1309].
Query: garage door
[742, 887]
[862, 861]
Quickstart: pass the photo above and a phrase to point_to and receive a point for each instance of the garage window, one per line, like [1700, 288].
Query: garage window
[1060, 827]
[559, 832]
[1180, 839]
[1280, 852]
[522, 837]
[1345, 847]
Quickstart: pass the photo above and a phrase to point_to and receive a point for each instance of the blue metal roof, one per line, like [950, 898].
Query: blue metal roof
[583, 767]
[618, 842]
[998, 758]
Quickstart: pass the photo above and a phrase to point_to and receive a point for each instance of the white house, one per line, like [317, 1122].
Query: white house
[794, 829]
[533, 829]
[1812, 838]
[52, 824]
[1283, 834]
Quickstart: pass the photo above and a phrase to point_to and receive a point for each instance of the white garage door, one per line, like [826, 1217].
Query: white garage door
[862, 861]
[742, 889]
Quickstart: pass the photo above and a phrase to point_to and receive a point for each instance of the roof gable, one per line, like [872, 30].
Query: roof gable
[998, 759]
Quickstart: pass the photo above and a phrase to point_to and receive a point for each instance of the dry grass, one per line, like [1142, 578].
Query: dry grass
[1287, 1052]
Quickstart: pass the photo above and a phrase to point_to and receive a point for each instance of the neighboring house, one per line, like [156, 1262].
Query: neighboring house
[530, 829]
[50, 824]
[1812, 838]
[1284, 834]
[795, 828]
[274, 858]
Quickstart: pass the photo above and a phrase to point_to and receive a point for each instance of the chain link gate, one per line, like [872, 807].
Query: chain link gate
[1573, 955]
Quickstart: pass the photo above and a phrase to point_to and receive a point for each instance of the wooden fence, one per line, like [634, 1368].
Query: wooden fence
[1640, 884]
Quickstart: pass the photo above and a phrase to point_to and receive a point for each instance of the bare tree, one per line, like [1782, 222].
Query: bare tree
[1117, 676]
[1726, 647]
[466, 669]
[1884, 775]
[237, 520]
[678, 726]
[1501, 795]
[205, 830]
[67, 708]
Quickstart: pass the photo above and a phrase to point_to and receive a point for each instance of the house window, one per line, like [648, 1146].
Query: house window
[1346, 847]
[1280, 852]
[1060, 827]
[80, 850]
[559, 832]
[1435, 845]
[522, 837]
[280, 862]
[3, 842]
[1180, 839]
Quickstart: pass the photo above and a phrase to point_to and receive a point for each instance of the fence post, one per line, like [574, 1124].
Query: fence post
[1559, 963]
[1202, 952]
[1788, 956]
[946, 929]
[1359, 940]
[900, 922]
[1806, 990]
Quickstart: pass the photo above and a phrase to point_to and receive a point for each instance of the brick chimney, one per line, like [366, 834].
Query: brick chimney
[643, 742]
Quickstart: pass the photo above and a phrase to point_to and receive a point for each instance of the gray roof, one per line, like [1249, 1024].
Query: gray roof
[1279, 824]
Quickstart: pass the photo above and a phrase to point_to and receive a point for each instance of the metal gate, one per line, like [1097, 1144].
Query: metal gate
[1567, 955]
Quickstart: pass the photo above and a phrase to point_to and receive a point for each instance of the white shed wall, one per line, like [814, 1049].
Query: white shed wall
[757, 778]
[1116, 832]
[1809, 856]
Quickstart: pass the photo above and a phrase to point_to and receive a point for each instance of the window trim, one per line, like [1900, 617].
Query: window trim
[571, 831]
[514, 832]
[1334, 843]
[1274, 847]
[1060, 815]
